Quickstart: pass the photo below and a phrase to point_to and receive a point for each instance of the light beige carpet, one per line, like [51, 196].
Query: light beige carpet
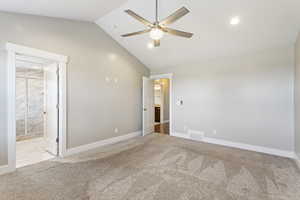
[157, 167]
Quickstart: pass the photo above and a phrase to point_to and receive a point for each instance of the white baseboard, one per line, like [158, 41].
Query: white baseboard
[272, 151]
[5, 169]
[181, 135]
[266, 150]
[101, 143]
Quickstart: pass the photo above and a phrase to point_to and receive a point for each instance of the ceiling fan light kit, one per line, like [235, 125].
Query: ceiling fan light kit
[157, 29]
[156, 33]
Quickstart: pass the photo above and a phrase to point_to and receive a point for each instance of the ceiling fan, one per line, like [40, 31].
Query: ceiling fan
[158, 28]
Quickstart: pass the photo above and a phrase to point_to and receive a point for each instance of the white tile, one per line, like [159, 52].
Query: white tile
[31, 151]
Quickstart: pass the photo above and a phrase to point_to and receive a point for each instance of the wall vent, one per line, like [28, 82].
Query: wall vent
[196, 135]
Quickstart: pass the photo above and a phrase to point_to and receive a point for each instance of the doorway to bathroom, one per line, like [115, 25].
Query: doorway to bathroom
[37, 98]
[37, 105]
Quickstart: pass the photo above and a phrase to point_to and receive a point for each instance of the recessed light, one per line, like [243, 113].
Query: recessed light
[235, 21]
[157, 87]
[112, 56]
[150, 45]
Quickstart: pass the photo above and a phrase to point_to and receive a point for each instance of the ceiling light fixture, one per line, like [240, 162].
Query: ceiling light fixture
[156, 34]
[235, 21]
[158, 28]
[157, 87]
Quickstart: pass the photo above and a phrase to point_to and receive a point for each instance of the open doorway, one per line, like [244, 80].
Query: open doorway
[157, 104]
[37, 116]
[161, 105]
[37, 105]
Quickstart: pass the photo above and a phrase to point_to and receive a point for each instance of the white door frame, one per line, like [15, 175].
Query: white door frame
[162, 99]
[12, 51]
[170, 77]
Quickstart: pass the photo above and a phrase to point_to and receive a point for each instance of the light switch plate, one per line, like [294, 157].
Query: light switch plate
[179, 102]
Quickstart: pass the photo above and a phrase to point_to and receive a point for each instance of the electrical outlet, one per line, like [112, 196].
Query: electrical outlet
[116, 130]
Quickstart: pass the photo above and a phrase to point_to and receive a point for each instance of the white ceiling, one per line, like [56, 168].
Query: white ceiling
[86, 10]
[264, 24]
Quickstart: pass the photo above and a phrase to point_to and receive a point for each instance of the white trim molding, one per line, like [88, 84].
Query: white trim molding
[101, 143]
[160, 76]
[260, 149]
[181, 135]
[36, 52]
[5, 170]
[14, 50]
[297, 160]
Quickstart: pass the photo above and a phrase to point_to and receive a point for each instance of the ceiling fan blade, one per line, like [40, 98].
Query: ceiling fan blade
[175, 16]
[156, 43]
[139, 18]
[177, 32]
[136, 33]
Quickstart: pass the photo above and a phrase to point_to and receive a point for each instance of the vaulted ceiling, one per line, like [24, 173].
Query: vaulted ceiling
[86, 10]
[264, 24]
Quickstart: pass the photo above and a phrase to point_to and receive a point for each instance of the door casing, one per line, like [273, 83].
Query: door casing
[12, 51]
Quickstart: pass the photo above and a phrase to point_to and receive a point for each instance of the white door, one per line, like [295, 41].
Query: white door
[148, 106]
[51, 108]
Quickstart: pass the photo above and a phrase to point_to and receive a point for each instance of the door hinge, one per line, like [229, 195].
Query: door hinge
[57, 106]
[57, 71]
[57, 140]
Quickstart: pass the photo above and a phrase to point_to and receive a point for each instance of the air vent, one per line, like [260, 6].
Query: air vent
[196, 135]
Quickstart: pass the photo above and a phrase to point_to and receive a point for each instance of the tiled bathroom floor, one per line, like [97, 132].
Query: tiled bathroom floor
[31, 151]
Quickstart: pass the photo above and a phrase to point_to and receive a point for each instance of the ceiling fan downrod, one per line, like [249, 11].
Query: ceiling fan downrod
[156, 11]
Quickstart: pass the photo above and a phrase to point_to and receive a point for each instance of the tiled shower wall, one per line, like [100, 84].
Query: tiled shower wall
[29, 103]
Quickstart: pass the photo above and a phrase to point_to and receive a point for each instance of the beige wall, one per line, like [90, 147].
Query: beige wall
[297, 96]
[95, 107]
[246, 99]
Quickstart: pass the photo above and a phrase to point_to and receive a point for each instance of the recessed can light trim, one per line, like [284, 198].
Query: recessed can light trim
[235, 21]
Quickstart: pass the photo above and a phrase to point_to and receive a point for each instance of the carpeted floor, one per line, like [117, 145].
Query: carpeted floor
[157, 167]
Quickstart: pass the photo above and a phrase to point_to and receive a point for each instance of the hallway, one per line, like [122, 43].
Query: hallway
[162, 128]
